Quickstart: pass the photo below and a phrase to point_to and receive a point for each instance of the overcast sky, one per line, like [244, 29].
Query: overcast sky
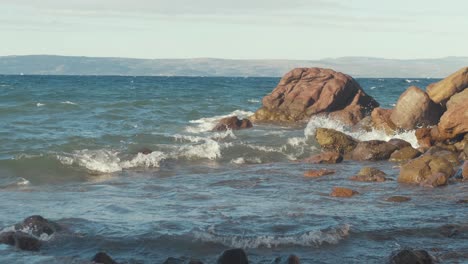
[237, 29]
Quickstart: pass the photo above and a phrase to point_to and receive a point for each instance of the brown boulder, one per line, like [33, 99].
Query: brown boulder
[424, 137]
[304, 92]
[404, 154]
[369, 174]
[342, 192]
[328, 157]
[332, 140]
[454, 121]
[424, 167]
[437, 151]
[414, 108]
[399, 143]
[398, 199]
[465, 170]
[441, 91]
[318, 173]
[434, 180]
[232, 122]
[372, 150]
[381, 120]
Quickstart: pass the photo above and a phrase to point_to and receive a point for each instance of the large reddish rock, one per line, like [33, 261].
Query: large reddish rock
[372, 150]
[304, 92]
[454, 121]
[381, 120]
[232, 122]
[414, 108]
[425, 169]
[441, 92]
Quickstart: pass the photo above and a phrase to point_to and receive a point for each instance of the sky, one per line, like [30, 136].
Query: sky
[235, 29]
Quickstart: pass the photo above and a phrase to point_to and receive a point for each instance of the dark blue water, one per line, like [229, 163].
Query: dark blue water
[69, 151]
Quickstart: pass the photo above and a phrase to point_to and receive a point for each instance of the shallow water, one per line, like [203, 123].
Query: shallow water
[69, 152]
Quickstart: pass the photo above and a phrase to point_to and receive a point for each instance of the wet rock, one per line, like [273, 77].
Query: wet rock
[232, 122]
[195, 261]
[172, 260]
[332, 140]
[424, 137]
[454, 121]
[436, 151]
[38, 225]
[304, 92]
[399, 143]
[465, 170]
[328, 157]
[398, 199]
[434, 180]
[342, 192]
[20, 240]
[369, 174]
[318, 173]
[409, 256]
[103, 258]
[233, 256]
[420, 169]
[350, 115]
[372, 150]
[414, 108]
[381, 120]
[404, 154]
[443, 90]
[291, 259]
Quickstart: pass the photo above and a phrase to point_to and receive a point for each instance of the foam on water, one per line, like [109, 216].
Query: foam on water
[69, 102]
[375, 134]
[40, 104]
[208, 123]
[307, 239]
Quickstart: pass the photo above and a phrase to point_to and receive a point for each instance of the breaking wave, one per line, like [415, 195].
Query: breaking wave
[208, 123]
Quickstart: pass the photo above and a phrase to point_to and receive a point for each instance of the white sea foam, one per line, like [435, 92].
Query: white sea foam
[375, 134]
[208, 123]
[311, 238]
[242, 160]
[28, 230]
[373, 87]
[23, 182]
[205, 148]
[410, 81]
[69, 102]
[40, 104]
[254, 101]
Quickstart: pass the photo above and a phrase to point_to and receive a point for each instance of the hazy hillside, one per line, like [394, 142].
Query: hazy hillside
[355, 66]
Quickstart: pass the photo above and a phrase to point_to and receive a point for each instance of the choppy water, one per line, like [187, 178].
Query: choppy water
[69, 151]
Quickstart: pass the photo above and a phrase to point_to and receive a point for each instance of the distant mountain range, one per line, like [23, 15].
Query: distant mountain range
[354, 66]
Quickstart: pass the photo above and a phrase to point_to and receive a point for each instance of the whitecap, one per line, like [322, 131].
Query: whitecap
[253, 101]
[373, 87]
[40, 104]
[69, 102]
[208, 123]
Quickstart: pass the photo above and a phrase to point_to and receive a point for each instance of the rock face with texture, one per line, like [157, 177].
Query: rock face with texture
[232, 122]
[233, 256]
[454, 121]
[372, 150]
[369, 174]
[381, 120]
[327, 157]
[414, 108]
[465, 170]
[408, 256]
[404, 154]
[441, 91]
[342, 192]
[304, 92]
[423, 168]
[332, 140]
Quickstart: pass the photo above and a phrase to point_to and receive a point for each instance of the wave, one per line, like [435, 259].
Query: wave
[411, 81]
[40, 104]
[208, 123]
[307, 239]
[68, 102]
[374, 134]
[253, 101]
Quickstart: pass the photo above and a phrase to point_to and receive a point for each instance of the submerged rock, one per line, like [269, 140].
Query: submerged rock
[232, 122]
[233, 256]
[409, 256]
[304, 92]
[372, 150]
[414, 108]
[20, 240]
[333, 140]
[342, 192]
[103, 258]
[422, 169]
[369, 174]
[145, 151]
[398, 199]
[291, 259]
[38, 225]
[404, 154]
[328, 157]
[318, 173]
[443, 90]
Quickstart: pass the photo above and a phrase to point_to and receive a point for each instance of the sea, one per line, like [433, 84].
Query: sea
[70, 151]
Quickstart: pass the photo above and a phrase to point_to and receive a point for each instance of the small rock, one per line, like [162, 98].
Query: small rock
[232, 122]
[38, 225]
[369, 174]
[408, 256]
[145, 151]
[291, 259]
[233, 256]
[103, 258]
[404, 154]
[398, 199]
[342, 192]
[20, 240]
[399, 143]
[318, 173]
[372, 150]
[328, 157]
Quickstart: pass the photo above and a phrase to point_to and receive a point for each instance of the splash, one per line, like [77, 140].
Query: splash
[208, 123]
